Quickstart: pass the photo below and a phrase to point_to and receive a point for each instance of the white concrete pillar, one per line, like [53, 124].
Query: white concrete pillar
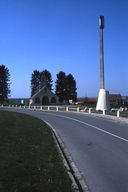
[48, 108]
[118, 113]
[103, 111]
[57, 108]
[66, 108]
[78, 109]
[90, 110]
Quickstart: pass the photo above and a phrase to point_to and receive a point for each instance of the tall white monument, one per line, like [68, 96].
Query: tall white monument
[103, 98]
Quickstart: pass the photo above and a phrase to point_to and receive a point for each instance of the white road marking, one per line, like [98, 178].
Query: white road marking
[94, 127]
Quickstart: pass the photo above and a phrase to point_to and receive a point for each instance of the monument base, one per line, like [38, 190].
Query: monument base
[103, 100]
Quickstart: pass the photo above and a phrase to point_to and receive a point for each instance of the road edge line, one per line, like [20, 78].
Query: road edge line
[79, 183]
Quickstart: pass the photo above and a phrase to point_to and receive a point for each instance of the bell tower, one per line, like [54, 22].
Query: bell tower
[43, 81]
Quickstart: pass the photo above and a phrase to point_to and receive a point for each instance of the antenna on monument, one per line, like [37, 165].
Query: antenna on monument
[101, 22]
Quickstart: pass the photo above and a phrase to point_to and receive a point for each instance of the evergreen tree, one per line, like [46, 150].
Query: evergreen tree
[61, 86]
[35, 81]
[48, 78]
[71, 93]
[66, 87]
[4, 83]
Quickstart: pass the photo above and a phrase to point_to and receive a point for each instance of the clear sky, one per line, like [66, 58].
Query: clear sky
[64, 35]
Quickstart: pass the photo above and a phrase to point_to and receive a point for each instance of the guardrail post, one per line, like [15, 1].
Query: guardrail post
[48, 108]
[90, 110]
[103, 111]
[57, 108]
[118, 113]
[78, 109]
[66, 108]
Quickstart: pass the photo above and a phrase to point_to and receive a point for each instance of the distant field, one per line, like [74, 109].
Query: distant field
[17, 101]
[29, 158]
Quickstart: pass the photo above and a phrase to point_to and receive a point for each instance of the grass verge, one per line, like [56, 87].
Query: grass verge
[29, 158]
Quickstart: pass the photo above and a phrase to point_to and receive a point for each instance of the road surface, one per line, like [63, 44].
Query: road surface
[99, 147]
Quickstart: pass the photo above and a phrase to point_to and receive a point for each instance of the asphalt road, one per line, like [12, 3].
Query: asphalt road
[98, 146]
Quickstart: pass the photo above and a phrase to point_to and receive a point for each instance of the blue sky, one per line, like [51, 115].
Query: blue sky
[63, 35]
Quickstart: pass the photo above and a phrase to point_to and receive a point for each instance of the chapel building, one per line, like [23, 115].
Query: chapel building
[43, 95]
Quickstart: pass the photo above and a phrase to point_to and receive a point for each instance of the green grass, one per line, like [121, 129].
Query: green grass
[29, 158]
[124, 114]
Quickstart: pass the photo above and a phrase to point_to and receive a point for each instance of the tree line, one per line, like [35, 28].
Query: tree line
[65, 85]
